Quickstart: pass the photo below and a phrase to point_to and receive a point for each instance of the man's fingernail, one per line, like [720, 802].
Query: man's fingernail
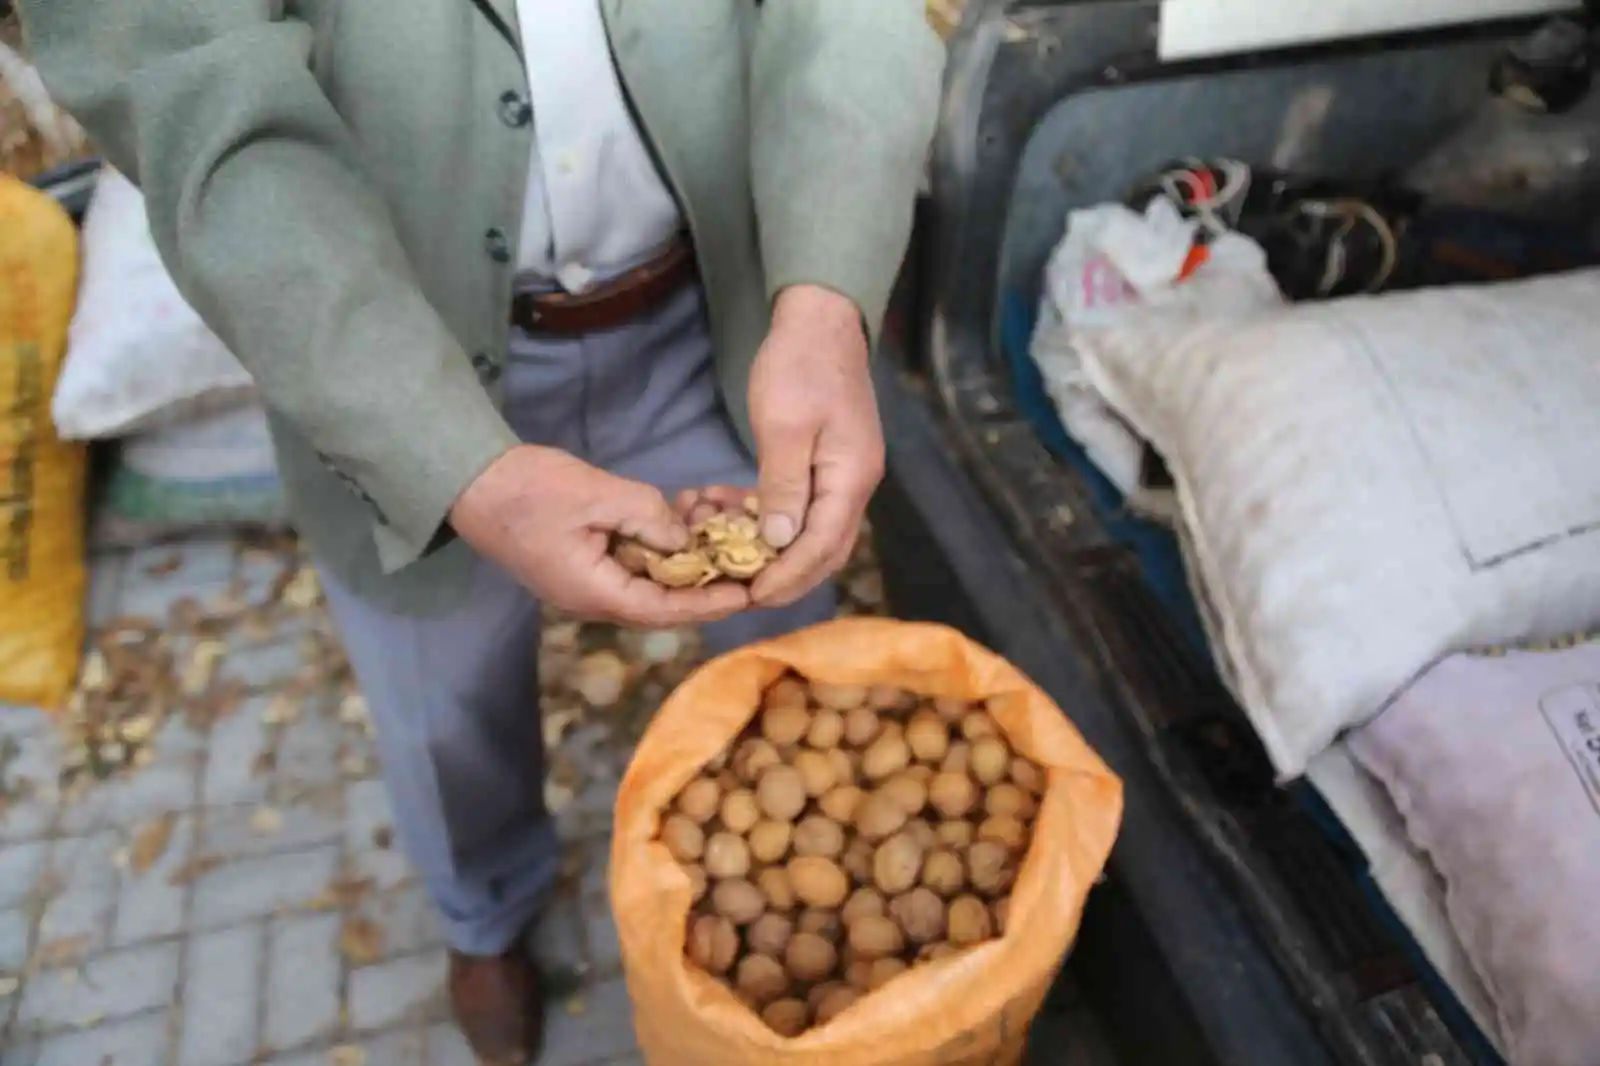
[778, 529]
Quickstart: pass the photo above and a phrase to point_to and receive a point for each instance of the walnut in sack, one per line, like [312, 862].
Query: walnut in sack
[860, 833]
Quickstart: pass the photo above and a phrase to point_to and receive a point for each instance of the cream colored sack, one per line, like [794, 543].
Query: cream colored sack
[974, 1008]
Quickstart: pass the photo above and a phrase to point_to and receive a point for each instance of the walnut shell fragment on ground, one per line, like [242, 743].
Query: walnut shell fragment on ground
[727, 546]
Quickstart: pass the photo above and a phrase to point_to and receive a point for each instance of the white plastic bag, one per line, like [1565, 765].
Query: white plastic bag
[1113, 263]
[137, 355]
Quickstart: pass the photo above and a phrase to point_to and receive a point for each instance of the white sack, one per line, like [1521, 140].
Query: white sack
[1368, 484]
[137, 355]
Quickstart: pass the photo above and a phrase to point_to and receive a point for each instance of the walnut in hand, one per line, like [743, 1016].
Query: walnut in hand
[726, 546]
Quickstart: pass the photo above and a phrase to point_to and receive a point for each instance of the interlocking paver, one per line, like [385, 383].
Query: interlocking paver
[80, 912]
[234, 832]
[154, 579]
[221, 997]
[589, 1028]
[303, 971]
[369, 835]
[30, 760]
[600, 932]
[447, 1047]
[15, 927]
[150, 902]
[111, 986]
[167, 785]
[20, 868]
[400, 1047]
[140, 1041]
[407, 917]
[181, 962]
[258, 887]
[405, 989]
[556, 940]
[263, 665]
[308, 753]
[237, 742]
[79, 890]
[106, 575]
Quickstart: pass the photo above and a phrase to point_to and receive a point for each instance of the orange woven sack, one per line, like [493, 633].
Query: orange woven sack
[970, 1009]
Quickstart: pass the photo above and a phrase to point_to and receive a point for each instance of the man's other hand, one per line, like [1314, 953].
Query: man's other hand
[548, 518]
[819, 444]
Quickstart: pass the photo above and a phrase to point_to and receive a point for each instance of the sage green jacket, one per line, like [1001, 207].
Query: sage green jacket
[336, 187]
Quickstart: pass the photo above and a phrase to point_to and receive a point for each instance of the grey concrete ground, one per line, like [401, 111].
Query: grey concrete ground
[197, 866]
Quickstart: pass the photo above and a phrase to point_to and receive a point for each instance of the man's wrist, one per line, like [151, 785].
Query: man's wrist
[816, 306]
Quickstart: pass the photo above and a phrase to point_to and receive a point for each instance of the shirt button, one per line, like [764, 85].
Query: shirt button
[488, 370]
[515, 110]
[495, 244]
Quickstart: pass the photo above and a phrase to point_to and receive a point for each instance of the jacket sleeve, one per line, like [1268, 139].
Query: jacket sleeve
[262, 215]
[844, 97]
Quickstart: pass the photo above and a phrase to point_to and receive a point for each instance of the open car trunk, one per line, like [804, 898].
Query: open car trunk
[1236, 925]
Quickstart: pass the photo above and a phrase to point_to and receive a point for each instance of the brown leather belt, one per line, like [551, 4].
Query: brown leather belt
[610, 303]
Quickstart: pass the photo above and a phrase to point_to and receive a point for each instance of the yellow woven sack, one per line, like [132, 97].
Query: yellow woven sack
[42, 574]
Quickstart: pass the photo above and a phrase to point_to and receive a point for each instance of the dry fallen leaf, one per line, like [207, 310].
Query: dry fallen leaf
[53, 954]
[661, 646]
[194, 870]
[303, 590]
[163, 567]
[266, 822]
[136, 729]
[554, 724]
[150, 843]
[342, 893]
[353, 711]
[354, 766]
[347, 1055]
[9, 986]
[361, 942]
[202, 664]
[282, 710]
[557, 797]
[96, 674]
[600, 678]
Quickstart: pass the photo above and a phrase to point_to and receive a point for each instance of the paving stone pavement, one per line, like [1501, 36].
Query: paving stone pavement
[275, 924]
[237, 899]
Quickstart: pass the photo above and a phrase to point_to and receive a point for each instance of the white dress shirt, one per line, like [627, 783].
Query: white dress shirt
[596, 205]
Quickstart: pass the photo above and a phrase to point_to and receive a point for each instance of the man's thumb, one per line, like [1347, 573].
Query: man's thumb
[784, 491]
[641, 512]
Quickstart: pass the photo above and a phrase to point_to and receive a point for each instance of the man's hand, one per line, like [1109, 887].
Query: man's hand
[819, 444]
[548, 518]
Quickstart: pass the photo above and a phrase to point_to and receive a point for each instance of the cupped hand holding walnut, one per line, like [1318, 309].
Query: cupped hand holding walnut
[725, 542]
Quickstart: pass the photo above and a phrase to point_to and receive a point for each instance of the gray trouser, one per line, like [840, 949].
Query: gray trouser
[455, 697]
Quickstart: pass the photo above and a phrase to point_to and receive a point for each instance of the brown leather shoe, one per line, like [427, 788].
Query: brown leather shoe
[499, 1006]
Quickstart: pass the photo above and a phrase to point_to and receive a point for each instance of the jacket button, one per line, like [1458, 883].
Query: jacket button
[495, 243]
[515, 110]
[488, 370]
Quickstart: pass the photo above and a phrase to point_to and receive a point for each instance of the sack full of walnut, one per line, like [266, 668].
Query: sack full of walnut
[42, 576]
[867, 844]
